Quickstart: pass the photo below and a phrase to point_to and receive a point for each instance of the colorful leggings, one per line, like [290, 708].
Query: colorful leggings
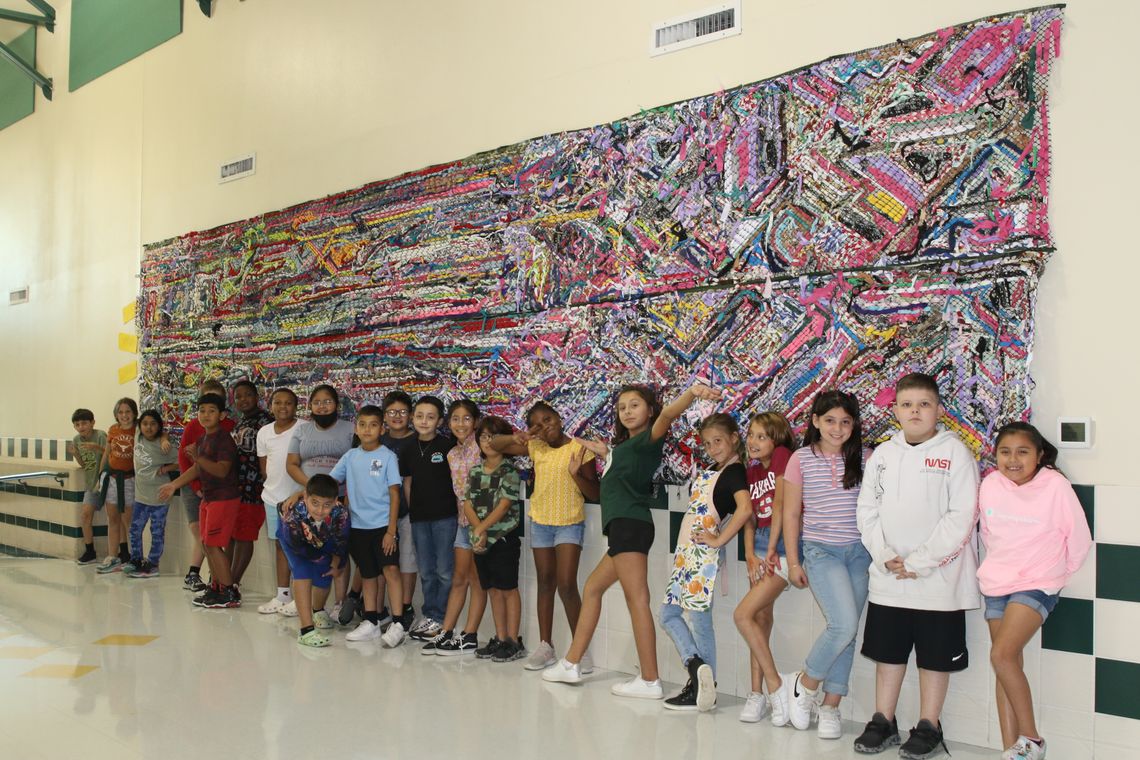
[157, 518]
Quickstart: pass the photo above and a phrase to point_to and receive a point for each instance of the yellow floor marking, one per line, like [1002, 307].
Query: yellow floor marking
[125, 640]
[61, 671]
[23, 653]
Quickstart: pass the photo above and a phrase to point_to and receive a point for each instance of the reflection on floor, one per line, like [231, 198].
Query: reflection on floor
[107, 667]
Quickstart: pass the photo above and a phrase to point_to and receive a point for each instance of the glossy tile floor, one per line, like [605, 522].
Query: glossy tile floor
[106, 667]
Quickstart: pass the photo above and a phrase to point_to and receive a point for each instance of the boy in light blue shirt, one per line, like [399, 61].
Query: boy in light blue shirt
[372, 476]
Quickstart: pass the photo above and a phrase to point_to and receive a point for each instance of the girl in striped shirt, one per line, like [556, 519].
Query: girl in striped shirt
[821, 485]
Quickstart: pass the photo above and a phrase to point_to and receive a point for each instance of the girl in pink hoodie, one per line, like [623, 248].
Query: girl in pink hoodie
[1036, 537]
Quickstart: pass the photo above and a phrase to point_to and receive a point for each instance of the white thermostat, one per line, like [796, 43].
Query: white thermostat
[1074, 432]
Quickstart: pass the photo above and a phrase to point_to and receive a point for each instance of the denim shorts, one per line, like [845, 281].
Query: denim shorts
[272, 517]
[549, 536]
[1038, 601]
[760, 549]
[463, 538]
[93, 499]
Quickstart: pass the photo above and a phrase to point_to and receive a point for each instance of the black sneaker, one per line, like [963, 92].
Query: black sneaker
[509, 650]
[348, 608]
[193, 582]
[878, 735]
[433, 645]
[925, 740]
[88, 557]
[487, 651]
[207, 598]
[685, 701]
[408, 618]
[464, 643]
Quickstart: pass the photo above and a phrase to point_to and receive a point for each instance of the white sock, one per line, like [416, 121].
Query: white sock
[284, 594]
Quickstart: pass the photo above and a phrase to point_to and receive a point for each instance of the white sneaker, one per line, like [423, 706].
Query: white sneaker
[639, 688]
[366, 631]
[830, 724]
[706, 688]
[1024, 749]
[541, 658]
[586, 666]
[335, 614]
[755, 708]
[394, 636]
[562, 672]
[801, 702]
[272, 607]
[778, 702]
[289, 610]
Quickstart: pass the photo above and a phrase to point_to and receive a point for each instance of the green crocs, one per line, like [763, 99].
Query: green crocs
[314, 638]
[321, 619]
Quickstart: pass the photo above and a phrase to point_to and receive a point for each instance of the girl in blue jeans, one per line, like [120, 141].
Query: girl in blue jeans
[716, 496]
[821, 486]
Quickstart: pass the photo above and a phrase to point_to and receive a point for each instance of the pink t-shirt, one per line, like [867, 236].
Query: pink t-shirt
[828, 507]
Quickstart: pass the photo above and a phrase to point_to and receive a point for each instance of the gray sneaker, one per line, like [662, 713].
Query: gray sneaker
[541, 658]
[110, 565]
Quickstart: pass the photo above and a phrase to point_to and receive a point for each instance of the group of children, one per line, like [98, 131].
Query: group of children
[894, 530]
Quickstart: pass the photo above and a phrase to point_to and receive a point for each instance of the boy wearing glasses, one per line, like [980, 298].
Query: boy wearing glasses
[398, 434]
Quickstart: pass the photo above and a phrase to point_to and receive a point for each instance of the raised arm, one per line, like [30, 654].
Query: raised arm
[513, 445]
[677, 407]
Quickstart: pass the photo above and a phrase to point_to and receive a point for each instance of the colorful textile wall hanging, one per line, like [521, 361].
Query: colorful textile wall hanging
[837, 226]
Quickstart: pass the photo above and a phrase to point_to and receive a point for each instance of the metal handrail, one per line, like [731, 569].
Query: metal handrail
[60, 477]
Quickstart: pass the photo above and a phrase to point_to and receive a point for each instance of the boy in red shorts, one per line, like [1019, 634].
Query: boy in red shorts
[215, 465]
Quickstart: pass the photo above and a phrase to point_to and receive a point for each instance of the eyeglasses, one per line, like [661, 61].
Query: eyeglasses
[396, 413]
[323, 402]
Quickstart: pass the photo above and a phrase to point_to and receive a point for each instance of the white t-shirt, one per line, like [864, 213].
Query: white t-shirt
[275, 448]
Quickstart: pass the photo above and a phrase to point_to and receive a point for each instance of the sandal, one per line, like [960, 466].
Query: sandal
[314, 638]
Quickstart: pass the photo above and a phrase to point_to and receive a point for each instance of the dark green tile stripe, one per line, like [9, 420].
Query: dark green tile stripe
[1117, 568]
[1086, 495]
[43, 492]
[53, 449]
[1116, 691]
[71, 531]
[24, 448]
[675, 519]
[1069, 627]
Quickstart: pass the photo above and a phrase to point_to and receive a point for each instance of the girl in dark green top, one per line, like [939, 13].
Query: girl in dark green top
[640, 426]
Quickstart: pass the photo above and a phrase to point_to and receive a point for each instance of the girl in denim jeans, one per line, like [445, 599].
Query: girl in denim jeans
[821, 485]
[719, 506]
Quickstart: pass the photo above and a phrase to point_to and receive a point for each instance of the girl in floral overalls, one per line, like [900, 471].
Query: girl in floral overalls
[719, 506]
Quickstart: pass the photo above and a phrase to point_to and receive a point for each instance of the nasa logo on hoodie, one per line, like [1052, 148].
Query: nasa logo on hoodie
[935, 466]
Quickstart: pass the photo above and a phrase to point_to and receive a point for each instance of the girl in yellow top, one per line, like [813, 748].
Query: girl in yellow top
[564, 477]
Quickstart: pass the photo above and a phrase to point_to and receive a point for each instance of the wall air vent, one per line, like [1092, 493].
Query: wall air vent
[709, 25]
[238, 168]
[18, 296]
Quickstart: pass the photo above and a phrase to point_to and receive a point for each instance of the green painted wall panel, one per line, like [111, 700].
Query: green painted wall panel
[17, 92]
[106, 34]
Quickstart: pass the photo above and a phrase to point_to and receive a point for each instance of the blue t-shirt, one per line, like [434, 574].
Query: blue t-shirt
[368, 475]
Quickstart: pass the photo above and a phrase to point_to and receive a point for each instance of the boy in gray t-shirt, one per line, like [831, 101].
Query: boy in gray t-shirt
[86, 448]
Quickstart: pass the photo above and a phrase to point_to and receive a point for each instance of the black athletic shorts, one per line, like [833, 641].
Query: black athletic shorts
[498, 567]
[938, 638]
[365, 546]
[629, 535]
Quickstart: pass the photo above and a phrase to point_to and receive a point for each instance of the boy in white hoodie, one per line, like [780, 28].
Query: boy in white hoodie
[917, 514]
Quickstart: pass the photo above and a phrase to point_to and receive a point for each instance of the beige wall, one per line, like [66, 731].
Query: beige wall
[365, 90]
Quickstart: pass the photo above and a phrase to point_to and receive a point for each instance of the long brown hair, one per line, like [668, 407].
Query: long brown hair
[621, 433]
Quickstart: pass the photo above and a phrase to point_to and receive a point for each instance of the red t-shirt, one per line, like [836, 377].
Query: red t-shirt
[121, 448]
[191, 434]
[762, 484]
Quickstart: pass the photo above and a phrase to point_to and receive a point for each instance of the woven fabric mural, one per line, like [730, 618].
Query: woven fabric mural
[837, 226]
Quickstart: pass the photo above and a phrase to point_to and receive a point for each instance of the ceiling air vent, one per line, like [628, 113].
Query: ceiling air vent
[238, 168]
[709, 25]
[18, 296]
